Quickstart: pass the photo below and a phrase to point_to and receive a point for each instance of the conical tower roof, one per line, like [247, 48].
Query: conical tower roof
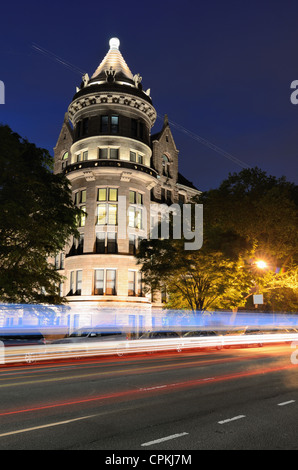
[114, 64]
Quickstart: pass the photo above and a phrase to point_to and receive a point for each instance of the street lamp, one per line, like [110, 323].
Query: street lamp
[261, 264]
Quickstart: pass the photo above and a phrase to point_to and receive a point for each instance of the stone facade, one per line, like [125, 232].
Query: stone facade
[117, 169]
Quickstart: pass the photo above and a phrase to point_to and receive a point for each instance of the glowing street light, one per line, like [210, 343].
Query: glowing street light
[261, 264]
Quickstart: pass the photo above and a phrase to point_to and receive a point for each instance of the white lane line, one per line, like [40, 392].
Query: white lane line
[173, 385]
[286, 403]
[231, 419]
[157, 441]
[46, 426]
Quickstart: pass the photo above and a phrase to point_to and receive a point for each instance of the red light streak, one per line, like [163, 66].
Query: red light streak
[139, 393]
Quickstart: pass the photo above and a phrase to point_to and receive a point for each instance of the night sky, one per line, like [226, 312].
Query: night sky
[221, 69]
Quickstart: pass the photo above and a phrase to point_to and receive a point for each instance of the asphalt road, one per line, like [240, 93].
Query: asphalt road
[175, 403]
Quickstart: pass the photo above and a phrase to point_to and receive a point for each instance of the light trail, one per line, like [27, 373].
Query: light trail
[22, 354]
[139, 393]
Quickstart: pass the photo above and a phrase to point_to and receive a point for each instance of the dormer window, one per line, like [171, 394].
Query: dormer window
[165, 166]
[65, 160]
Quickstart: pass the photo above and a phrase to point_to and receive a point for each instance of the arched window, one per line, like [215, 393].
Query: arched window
[64, 160]
[165, 166]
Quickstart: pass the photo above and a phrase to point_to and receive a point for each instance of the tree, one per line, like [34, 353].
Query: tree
[250, 216]
[262, 209]
[198, 280]
[37, 217]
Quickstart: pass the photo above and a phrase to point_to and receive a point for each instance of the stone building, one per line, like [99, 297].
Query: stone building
[117, 170]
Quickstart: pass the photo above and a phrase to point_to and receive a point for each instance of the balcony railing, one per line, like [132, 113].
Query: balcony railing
[109, 163]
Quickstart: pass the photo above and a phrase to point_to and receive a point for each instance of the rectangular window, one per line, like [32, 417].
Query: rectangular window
[79, 128]
[79, 283]
[101, 214]
[80, 197]
[102, 194]
[138, 219]
[132, 197]
[114, 154]
[135, 217]
[133, 156]
[83, 196]
[131, 283]
[131, 217]
[82, 220]
[103, 153]
[114, 124]
[71, 286]
[140, 159]
[85, 126]
[134, 128]
[99, 282]
[85, 155]
[100, 242]
[62, 258]
[139, 198]
[140, 284]
[132, 244]
[113, 194]
[80, 248]
[111, 242]
[111, 282]
[104, 124]
[112, 214]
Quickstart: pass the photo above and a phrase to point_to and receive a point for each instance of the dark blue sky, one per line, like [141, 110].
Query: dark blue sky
[221, 69]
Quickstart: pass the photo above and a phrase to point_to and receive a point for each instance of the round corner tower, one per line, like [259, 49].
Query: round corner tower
[107, 157]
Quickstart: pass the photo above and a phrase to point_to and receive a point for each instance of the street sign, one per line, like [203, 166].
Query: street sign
[258, 299]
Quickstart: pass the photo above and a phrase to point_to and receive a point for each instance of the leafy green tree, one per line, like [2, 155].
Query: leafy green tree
[263, 210]
[37, 217]
[197, 280]
[250, 216]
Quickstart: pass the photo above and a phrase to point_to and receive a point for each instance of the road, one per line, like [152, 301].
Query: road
[171, 402]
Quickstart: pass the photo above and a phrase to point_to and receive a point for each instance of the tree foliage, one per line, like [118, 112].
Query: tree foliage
[37, 217]
[250, 216]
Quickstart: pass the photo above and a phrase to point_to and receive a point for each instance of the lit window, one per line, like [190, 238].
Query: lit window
[79, 283]
[65, 160]
[132, 197]
[101, 214]
[113, 194]
[111, 282]
[107, 213]
[112, 214]
[102, 194]
[131, 283]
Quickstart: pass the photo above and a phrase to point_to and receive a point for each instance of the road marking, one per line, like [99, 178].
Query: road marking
[173, 385]
[231, 419]
[286, 403]
[163, 439]
[45, 426]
